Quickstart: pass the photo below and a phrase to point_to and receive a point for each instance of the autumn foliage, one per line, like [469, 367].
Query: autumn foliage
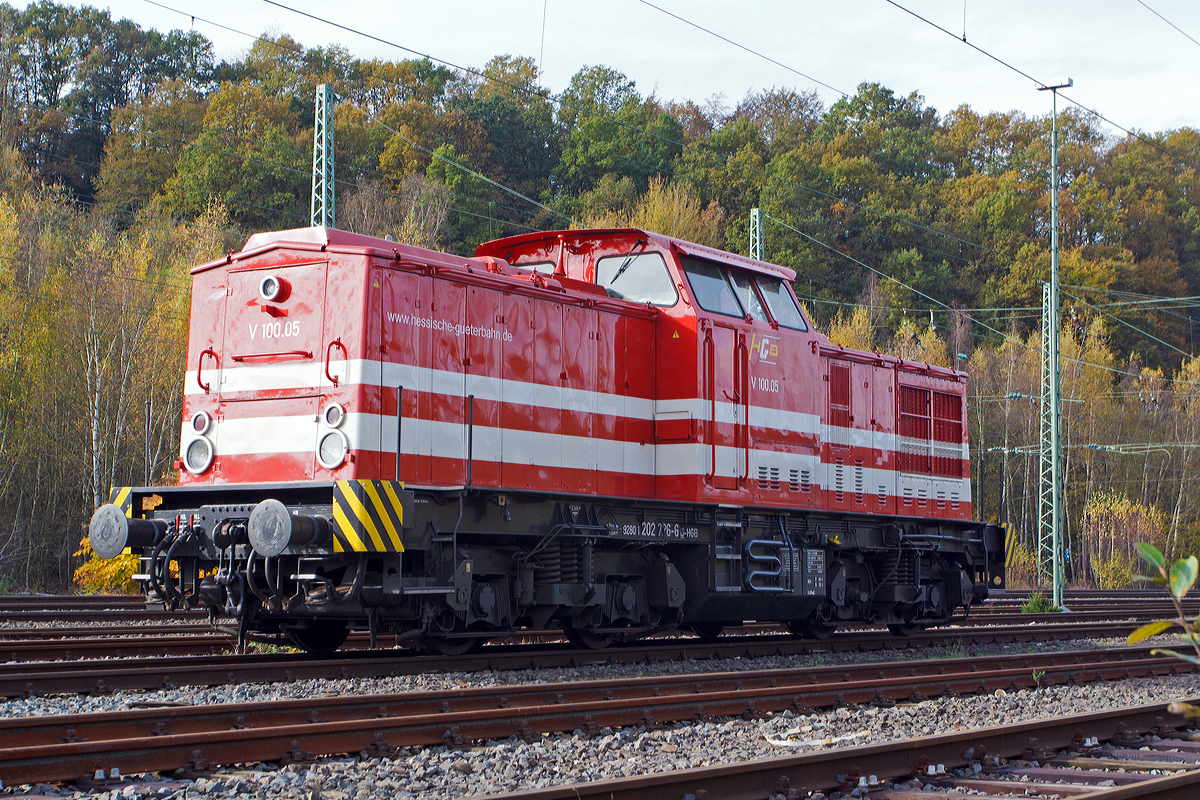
[127, 155]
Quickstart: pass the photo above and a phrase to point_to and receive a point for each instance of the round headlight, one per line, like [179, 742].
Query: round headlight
[334, 414]
[200, 422]
[270, 288]
[198, 455]
[331, 452]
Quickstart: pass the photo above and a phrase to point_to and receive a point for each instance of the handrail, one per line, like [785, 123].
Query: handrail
[335, 343]
[244, 356]
[743, 369]
[200, 367]
[710, 367]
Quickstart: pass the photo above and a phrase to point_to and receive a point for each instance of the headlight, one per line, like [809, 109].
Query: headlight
[200, 422]
[198, 455]
[334, 415]
[272, 289]
[331, 451]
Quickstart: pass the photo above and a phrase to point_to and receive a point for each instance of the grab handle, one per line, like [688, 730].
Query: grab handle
[300, 353]
[200, 367]
[338, 344]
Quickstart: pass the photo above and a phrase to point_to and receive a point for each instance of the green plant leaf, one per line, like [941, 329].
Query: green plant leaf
[1152, 578]
[1184, 709]
[1151, 554]
[1173, 654]
[1149, 629]
[1183, 575]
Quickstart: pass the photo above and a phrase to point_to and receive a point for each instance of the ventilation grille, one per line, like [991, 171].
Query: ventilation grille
[859, 491]
[839, 490]
[768, 478]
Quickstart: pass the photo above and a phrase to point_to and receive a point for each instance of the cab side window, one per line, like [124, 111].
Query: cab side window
[744, 287]
[711, 288]
[640, 277]
[780, 302]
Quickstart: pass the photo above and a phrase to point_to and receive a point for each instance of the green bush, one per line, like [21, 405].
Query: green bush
[1038, 603]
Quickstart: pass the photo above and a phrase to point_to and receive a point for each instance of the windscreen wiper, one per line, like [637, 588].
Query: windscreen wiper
[628, 260]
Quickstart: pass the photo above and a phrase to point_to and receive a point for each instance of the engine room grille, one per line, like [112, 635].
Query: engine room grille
[859, 491]
[798, 480]
[768, 478]
[839, 492]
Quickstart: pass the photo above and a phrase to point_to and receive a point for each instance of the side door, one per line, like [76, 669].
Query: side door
[516, 413]
[448, 388]
[484, 381]
[839, 461]
[726, 389]
[548, 381]
[579, 400]
[405, 374]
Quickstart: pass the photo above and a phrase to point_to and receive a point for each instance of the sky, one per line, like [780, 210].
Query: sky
[1126, 62]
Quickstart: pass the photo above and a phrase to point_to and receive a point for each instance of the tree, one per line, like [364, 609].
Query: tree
[669, 209]
[252, 156]
[147, 141]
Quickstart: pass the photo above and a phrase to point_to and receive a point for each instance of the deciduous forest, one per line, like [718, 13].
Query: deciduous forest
[128, 155]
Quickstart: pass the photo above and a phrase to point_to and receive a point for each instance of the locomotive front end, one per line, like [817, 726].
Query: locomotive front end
[279, 483]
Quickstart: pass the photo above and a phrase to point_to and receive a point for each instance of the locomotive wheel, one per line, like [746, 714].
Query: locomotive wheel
[811, 629]
[321, 637]
[708, 631]
[451, 647]
[585, 640]
[907, 629]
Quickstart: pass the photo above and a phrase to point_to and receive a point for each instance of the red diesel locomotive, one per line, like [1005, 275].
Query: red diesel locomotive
[609, 430]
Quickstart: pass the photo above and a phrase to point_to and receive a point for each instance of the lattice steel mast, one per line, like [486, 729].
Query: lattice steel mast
[323, 196]
[1051, 392]
[756, 234]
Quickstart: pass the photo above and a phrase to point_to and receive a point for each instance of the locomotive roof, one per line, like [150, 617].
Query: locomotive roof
[497, 247]
[322, 237]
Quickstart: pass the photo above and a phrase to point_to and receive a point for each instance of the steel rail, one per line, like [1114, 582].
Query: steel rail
[58, 748]
[97, 631]
[22, 679]
[104, 615]
[117, 724]
[58, 644]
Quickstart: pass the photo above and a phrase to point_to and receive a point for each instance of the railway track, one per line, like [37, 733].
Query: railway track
[62, 747]
[33, 607]
[1045, 758]
[48, 644]
[22, 679]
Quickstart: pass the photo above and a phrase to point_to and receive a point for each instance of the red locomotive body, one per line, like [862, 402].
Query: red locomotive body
[613, 429]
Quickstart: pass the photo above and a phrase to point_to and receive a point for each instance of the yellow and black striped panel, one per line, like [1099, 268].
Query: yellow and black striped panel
[122, 498]
[1010, 546]
[368, 516]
